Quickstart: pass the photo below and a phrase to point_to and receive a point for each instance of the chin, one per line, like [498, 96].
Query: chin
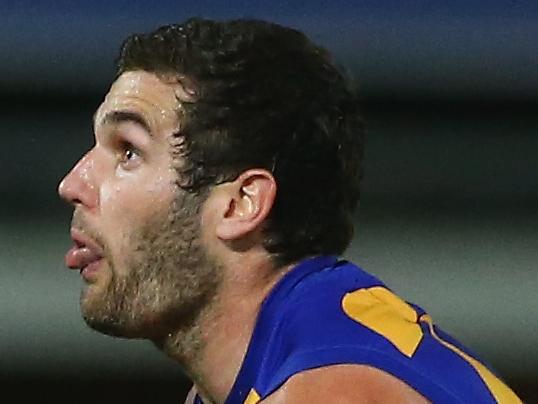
[114, 327]
[120, 324]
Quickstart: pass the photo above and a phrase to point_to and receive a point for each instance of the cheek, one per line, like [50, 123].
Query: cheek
[138, 195]
[126, 205]
[126, 209]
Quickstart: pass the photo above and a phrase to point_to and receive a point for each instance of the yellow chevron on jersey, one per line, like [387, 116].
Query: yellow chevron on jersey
[385, 313]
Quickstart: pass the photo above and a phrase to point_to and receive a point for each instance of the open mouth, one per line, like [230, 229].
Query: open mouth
[85, 255]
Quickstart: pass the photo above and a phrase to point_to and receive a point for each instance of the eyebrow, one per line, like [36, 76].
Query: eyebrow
[116, 117]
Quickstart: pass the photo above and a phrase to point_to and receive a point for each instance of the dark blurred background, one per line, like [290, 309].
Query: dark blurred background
[449, 215]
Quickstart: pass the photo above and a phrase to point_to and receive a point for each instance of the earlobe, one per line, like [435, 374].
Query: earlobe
[252, 196]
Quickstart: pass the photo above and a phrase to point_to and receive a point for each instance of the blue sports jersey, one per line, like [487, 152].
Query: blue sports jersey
[327, 312]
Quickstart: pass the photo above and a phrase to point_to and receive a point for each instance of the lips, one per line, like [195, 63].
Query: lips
[84, 253]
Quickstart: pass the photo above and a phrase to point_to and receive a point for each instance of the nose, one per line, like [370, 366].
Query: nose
[79, 187]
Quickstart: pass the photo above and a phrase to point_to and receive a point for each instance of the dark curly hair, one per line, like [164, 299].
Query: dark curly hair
[269, 98]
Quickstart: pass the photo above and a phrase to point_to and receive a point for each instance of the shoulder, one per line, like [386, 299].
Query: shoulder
[340, 316]
[347, 383]
[321, 295]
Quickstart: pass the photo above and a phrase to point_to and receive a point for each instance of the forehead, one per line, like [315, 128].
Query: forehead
[142, 92]
[140, 83]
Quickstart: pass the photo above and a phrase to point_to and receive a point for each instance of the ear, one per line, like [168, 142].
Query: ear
[249, 200]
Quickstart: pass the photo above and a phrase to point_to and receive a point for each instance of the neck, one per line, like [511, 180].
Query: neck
[211, 350]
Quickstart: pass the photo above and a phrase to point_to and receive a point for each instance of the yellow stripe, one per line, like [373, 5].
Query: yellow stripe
[252, 398]
[500, 391]
[385, 313]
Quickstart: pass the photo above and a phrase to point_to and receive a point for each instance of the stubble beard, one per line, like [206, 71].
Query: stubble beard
[170, 281]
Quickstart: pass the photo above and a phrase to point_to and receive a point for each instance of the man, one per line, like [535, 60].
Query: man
[208, 218]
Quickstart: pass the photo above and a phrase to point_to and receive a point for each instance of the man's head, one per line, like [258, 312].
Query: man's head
[216, 138]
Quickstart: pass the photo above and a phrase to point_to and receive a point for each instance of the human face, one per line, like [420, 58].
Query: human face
[136, 233]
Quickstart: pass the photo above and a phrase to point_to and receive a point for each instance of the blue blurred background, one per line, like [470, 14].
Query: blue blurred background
[449, 215]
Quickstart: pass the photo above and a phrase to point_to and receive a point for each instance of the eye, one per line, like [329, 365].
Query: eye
[130, 156]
